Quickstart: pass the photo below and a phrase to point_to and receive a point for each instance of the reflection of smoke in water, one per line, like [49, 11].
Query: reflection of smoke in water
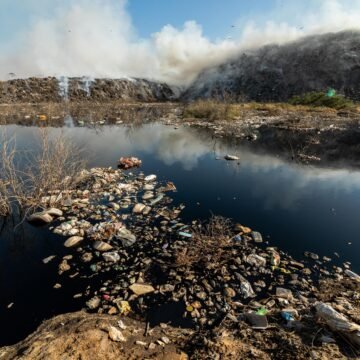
[63, 82]
[85, 84]
[69, 121]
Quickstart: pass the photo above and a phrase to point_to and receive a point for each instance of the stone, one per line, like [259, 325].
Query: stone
[126, 236]
[256, 236]
[229, 292]
[256, 260]
[150, 178]
[116, 335]
[73, 241]
[148, 195]
[40, 217]
[112, 256]
[284, 293]
[311, 255]
[48, 259]
[54, 212]
[141, 289]
[102, 246]
[138, 208]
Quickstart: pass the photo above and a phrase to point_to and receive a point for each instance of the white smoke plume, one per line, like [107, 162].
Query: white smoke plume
[97, 39]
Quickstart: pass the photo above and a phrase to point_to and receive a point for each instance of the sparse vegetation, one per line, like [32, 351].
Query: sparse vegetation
[27, 176]
[207, 245]
[320, 99]
[210, 110]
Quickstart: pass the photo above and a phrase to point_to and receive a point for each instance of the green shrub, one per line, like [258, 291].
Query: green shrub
[322, 99]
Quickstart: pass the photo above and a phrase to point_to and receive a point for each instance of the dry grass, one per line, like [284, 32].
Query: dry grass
[207, 245]
[27, 176]
[210, 110]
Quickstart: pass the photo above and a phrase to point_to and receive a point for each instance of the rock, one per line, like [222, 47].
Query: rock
[73, 241]
[93, 303]
[102, 246]
[284, 293]
[114, 206]
[141, 289]
[275, 258]
[138, 208]
[40, 217]
[229, 292]
[231, 157]
[86, 257]
[256, 236]
[112, 256]
[148, 195]
[48, 259]
[150, 178]
[116, 335]
[311, 255]
[256, 260]
[64, 266]
[127, 237]
[352, 275]
[54, 212]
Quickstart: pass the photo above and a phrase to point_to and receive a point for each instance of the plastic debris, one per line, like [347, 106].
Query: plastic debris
[128, 163]
[338, 322]
[262, 311]
[231, 157]
[257, 322]
[123, 307]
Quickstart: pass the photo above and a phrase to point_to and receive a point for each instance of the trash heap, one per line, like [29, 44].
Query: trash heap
[124, 234]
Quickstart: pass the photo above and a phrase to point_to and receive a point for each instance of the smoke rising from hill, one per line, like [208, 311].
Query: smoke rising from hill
[97, 39]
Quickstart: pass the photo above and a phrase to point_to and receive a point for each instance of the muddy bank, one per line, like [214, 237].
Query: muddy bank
[50, 89]
[311, 136]
[320, 137]
[85, 336]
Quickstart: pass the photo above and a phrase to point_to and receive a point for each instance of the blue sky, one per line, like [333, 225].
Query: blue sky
[216, 17]
[149, 16]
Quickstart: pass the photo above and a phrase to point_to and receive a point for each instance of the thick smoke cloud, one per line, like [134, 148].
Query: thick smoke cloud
[97, 39]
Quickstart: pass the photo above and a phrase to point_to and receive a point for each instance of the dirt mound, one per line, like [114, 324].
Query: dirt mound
[86, 336]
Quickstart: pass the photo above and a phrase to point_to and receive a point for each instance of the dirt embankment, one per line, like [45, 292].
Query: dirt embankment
[87, 336]
[50, 89]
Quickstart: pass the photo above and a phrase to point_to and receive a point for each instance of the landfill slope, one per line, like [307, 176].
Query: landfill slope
[278, 72]
[51, 89]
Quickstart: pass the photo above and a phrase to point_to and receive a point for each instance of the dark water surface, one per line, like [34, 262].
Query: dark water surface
[296, 208]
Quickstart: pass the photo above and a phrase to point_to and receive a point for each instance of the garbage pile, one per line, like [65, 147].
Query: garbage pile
[129, 162]
[125, 235]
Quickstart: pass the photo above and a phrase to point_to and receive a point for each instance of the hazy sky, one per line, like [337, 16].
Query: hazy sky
[169, 40]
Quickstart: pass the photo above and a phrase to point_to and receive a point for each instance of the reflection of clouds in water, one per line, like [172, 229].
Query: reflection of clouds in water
[168, 145]
[277, 183]
[283, 185]
[172, 146]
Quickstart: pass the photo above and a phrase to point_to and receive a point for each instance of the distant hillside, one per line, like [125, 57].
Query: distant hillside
[34, 90]
[276, 73]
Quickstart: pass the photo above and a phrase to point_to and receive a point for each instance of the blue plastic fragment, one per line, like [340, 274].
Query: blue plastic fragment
[287, 316]
[237, 238]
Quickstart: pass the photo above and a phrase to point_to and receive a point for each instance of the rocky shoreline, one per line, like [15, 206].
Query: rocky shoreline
[220, 281]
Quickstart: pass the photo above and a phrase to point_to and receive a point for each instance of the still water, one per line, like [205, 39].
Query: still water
[295, 207]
